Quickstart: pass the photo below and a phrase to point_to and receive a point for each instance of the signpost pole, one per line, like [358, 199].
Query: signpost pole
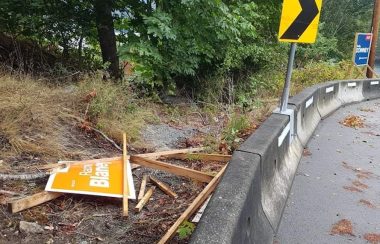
[286, 91]
[375, 33]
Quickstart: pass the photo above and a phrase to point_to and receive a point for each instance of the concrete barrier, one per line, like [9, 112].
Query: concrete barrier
[248, 204]
[307, 114]
[351, 91]
[328, 100]
[371, 88]
[234, 213]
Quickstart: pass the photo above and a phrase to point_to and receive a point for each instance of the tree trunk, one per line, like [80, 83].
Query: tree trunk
[106, 35]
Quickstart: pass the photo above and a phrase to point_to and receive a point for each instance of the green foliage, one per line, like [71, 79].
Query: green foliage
[314, 73]
[185, 229]
[236, 125]
[342, 18]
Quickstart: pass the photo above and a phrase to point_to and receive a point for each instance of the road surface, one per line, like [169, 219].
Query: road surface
[335, 197]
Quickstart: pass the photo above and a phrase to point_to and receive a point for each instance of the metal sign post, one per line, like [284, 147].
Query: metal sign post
[286, 91]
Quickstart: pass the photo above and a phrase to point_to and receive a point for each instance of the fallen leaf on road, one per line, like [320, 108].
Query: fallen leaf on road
[359, 184]
[353, 121]
[372, 238]
[352, 189]
[343, 227]
[367, 203]
[306, 152]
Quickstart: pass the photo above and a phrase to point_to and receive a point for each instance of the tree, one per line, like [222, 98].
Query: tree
[106, 35]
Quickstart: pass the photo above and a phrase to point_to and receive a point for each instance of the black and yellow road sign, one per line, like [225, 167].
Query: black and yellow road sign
[299, 20]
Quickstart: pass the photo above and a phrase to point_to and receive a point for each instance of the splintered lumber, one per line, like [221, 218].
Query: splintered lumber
[164, 187]
[10, 193]
[142, 187]
[199, 200]
[157, 155]
[154, 155]
[174, 169]
[125, 176]
[32, 201]
[145, 199]
[200, 156]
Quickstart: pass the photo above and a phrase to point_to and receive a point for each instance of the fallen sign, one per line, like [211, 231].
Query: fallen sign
[100, 178]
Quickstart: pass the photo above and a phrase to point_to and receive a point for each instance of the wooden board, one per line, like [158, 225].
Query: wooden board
[32, 201]
[199, 200]
[174, 169]
[125, 176]
[145, 199]
[200, 156]
[142, 187]
[164, 187]
[157, 155]
[154, 155]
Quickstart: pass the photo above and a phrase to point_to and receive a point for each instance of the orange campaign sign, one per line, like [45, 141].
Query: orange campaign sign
[100, 177]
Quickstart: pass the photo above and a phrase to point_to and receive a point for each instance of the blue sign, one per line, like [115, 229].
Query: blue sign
[362, 48]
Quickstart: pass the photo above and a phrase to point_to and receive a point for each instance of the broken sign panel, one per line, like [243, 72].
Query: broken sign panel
[100, 177]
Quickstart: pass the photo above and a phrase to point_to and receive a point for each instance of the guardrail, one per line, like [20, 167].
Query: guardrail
[248, 204]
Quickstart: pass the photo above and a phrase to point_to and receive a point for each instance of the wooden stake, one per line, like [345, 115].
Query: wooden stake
[193, 206]
[145, 199]
[164, 187]
[174, 169]
[157, 155]
[200, 156]
[32, 201]
[373, 71]
[125, 176]
[142, 187]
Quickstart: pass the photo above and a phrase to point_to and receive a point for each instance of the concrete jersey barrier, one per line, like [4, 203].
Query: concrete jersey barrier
[248, 204]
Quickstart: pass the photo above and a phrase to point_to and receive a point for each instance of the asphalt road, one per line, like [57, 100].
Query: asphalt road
[338, 181]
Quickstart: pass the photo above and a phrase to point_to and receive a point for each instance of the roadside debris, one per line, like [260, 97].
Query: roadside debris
[343, 227]
[104, 174]
[353, 121]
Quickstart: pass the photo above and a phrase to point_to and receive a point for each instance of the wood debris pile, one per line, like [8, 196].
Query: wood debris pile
[150, 184]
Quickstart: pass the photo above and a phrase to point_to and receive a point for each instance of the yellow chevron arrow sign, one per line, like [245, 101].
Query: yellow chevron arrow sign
[299, 21]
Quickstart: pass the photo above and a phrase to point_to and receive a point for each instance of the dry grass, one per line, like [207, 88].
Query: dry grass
[114, 109]
[43, 121]
[31, 117]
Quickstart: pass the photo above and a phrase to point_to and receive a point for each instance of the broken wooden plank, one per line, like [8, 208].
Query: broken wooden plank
[200, 156]
[145, 199]
[200, 212]
[32, 201]
[125, 176]
[174, 169]
[142, 187]
[157, 155]
[164, 187]
[10, 193]
[199, 200]
[154, 155]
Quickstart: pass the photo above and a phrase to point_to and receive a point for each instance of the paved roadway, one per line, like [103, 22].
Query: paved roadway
[341, 157]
